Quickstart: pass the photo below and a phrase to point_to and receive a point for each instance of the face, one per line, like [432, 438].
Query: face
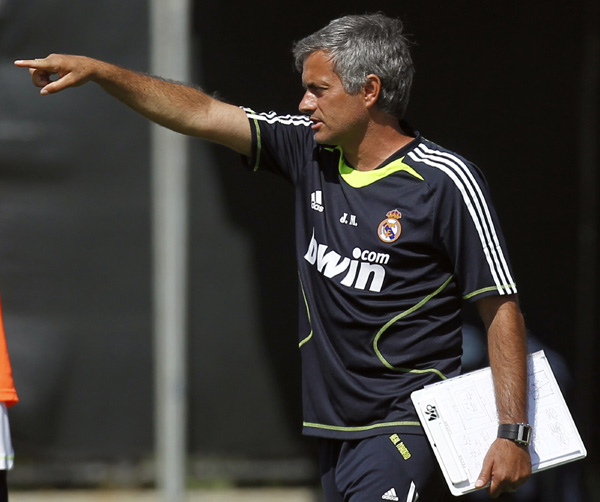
[338, 118]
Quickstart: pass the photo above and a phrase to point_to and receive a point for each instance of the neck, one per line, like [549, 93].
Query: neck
[381, 139]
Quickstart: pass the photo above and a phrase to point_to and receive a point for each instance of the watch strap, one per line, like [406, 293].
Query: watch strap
[519, 433]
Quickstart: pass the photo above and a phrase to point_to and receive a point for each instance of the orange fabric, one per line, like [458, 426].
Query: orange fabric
[8, 393]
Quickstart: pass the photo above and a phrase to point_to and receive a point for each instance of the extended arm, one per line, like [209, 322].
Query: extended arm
[507, 465]
[179, 107]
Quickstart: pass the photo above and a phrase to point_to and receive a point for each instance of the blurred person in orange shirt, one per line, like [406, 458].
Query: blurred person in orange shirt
[8, 397]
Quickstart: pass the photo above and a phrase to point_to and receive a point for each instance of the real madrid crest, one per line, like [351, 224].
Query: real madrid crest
[390, 229]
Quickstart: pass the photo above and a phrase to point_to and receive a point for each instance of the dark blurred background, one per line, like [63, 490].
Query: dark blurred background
[502, 83]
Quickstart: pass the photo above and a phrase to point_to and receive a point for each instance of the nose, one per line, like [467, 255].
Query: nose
[307, 104]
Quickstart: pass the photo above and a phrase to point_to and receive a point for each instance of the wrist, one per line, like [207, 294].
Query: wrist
[520, 433]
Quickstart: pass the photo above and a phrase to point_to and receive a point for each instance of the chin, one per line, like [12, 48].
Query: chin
[323, 139]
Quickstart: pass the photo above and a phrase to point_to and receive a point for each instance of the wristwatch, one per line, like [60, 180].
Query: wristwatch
[519, 433]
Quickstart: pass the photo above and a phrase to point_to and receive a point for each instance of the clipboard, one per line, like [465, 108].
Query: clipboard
[460, 419]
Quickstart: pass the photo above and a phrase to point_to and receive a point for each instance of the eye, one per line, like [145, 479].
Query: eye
[317, 90]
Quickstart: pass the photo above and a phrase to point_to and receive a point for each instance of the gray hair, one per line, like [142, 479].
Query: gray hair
[363, 45]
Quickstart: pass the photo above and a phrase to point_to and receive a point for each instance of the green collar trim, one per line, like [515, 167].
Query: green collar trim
[359, 179]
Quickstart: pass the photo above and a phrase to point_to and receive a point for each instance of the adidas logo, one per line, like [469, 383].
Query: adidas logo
[390, 495]
[316, 201]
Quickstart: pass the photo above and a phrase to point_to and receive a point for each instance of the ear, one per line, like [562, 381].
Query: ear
[372, 89]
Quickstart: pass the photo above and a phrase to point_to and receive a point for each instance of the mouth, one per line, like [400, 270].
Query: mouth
[316, 123]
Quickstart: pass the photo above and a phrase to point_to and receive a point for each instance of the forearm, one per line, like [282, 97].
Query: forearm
[177, 106]
[507, 464]
[507, 348]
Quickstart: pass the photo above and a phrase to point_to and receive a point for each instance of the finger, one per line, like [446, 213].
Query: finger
[59, 84]
[40, 78]
[50, 64]
[485, 475]
[495, 489]
[500, 485]
[486, 478]
[38, 69]
[24, 63]
[29, 63]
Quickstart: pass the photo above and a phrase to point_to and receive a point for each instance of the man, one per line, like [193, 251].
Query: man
[392, 233]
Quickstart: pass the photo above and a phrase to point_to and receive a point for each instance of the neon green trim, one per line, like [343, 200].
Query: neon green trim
[491, 288]
[358, 429]
[307, 339]
[307, 313]
[401, 315]
[258, 144]
[359, 179]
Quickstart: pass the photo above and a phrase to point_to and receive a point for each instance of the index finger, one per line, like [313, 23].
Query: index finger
[27, 63]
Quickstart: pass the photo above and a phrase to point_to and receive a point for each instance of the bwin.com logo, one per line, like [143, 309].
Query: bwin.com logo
[431, 412]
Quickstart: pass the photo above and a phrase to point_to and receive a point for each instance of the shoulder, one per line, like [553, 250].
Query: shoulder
[441, 166]
[270, 128]
[280, 143]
